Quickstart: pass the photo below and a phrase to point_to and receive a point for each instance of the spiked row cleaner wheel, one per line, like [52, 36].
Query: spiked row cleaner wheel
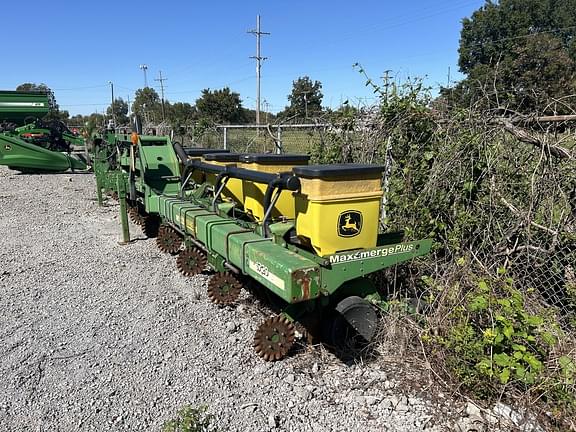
[224, 288]
[150, 225]
[135, 215]
[191, 262]
[168, 240]
[274, 338]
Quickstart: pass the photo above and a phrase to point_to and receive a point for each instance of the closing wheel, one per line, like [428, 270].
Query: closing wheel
[224, 288]
[274, 338]
[352, 325]
[168, 239]
[191, 262]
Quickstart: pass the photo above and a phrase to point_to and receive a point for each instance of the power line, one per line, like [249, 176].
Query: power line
[258, 33]
[212, 70]
[526, 35]
[126, 88]
[228, 84]
[400, 21]
[80, 88]
[84, 104]
[161, 80]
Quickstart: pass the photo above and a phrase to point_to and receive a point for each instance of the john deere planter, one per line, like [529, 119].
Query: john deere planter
[304, 237]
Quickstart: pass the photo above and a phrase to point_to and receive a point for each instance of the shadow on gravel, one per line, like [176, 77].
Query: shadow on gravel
[137, 239]
[319, 331]
[351, 348]
[51, 173]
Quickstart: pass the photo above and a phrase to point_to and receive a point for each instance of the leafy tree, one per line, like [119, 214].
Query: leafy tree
[519, 53]
[345, 114]
[265, 116]
[181, 116]
[305, 99]
[63, 115]
[181, 113]
[221, 106]
[33, 87]
[120, 111]
[54, 113]
[77, 120]
[93, 122]
[147, 104]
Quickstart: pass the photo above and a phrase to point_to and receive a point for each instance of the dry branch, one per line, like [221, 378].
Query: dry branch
[534, 224]
[554, 119]
[523, 136]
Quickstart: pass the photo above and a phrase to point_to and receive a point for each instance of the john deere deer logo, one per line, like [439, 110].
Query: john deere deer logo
[349, 223]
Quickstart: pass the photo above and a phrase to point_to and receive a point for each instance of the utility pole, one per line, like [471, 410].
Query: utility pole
[144, 67]
[112, 106]
[386, 79]
[266, 109]
[258, 33]
[162, 91]
[305, 93]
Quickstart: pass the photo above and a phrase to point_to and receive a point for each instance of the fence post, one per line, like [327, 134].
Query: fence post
[279, 141]
[225, 138]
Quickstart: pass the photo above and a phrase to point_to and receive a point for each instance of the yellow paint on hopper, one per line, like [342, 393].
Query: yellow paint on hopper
[254, 192]
[338, 214]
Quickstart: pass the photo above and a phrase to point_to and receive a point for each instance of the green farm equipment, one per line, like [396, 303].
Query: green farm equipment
[29, 144]
[16, 107]
[303, 237]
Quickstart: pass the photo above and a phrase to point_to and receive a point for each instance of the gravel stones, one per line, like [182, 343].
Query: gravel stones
[97, 336]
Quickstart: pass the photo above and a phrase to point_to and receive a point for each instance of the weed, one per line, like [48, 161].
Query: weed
[190, 419]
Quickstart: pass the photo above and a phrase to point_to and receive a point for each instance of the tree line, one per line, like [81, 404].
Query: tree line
[213, 107]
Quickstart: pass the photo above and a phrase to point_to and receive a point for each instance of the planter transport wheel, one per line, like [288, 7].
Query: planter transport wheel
[352, 325]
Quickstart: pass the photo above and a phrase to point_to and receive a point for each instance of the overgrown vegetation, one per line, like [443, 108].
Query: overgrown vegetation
[498, 195]
[491, 341]
[190, 419]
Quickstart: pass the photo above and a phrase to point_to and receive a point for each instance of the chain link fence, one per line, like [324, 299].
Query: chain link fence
[264, 138]
[494, 200]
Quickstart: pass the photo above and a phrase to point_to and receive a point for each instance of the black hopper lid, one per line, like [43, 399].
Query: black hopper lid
[279, 159]
[338, 171]
[199, 151]
[223, 157]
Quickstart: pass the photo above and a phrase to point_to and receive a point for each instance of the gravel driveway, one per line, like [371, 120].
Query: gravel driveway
[98, 336]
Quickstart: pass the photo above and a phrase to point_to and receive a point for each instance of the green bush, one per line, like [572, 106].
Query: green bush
[190, 419]
[490, 340]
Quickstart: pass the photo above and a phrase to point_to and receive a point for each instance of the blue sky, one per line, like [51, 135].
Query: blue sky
[77, 49]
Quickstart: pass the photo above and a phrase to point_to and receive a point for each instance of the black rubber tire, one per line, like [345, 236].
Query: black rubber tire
[338, 332]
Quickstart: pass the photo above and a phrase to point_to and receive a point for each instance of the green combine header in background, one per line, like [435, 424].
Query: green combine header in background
[16, 107]
[29, 144]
